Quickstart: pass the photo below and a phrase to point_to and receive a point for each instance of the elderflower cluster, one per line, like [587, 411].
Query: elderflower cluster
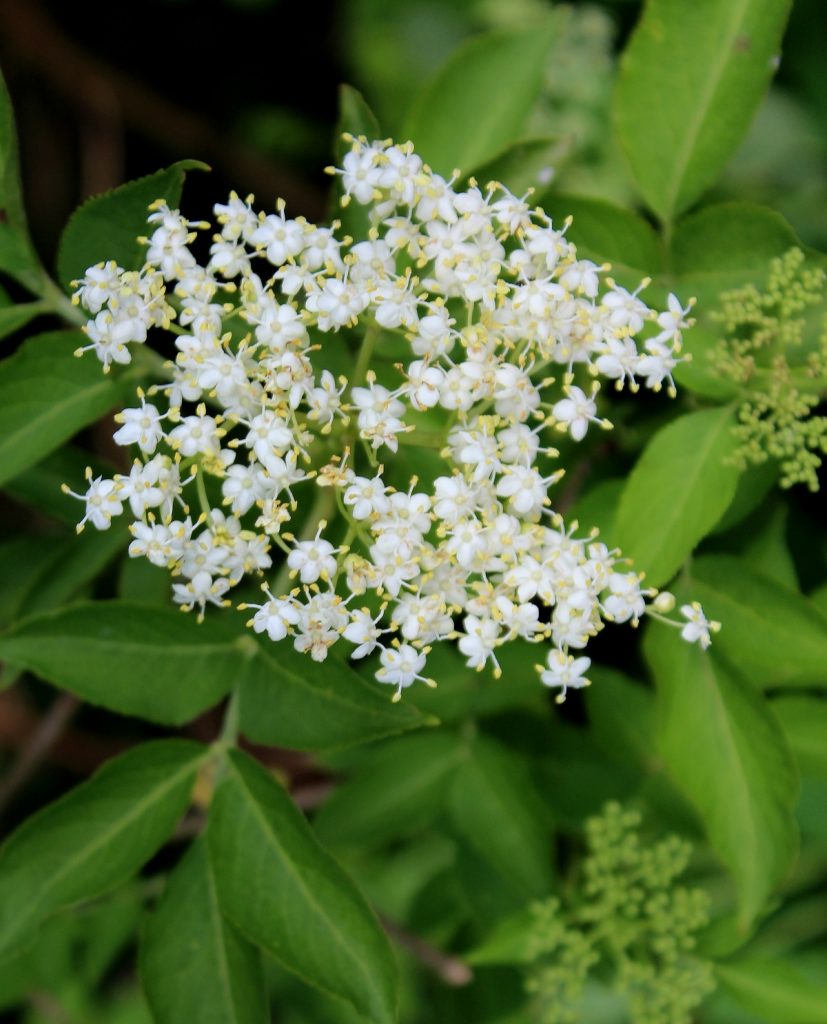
[769, 353]
[305, 360]
[629, 911]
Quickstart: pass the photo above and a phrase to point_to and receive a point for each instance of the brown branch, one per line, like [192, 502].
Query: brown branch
[450, 969]
[100, 89]
[38, 745]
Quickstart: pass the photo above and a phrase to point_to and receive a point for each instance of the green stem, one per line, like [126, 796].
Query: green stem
[364, 357]
[230, 725]
[58, 303]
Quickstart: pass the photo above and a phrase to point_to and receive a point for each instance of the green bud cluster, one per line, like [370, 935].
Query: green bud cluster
[765, 352]
[628, 912]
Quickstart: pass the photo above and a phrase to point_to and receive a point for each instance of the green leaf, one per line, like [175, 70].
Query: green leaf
[804, 720]
[398, 790]
[17, 256]
[512, 941]
[726, 751]
[480, 99]
[775, 990]
[107, 227]
[152, 662]
[47, 395]
[38, 574]
[725, 246]
[195, 965]
[287, 700]
[766, 546]
[604, 231]
[754, 484]
[286, 894]
[598, 507]
[690, 80]
[699, 373]
[494, 805]
[677, 492]
[525, 164]
[773, 634]
[16, 315]
[95, 837]
[622, 717]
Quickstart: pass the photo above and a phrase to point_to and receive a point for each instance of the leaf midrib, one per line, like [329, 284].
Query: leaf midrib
[265, 827]
[697, 471]
[54, 411]
[103, 838]
[701, 110]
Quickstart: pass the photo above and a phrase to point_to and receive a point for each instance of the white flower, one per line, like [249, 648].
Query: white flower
[201, 590]
[364, 631]
[282, 239]
[313, 559]
[576, 412]
[196, 434]
[479, 642]
[292, 403]
[564, 671]
[698, 627]
[275, 617]
[625, 600]
[142, 426]
[401, 666]
[102, 499]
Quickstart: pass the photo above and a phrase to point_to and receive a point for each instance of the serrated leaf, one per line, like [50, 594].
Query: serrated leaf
[479, 100]
[286, 894]
[47, 395]
[107, 227]
[775, 990]
[152, 662]
[773, 634]
[690, 80]
[680, 487]
[804, 721]
[195, 964]
[287, 700]
[95, 837]
[17, 255]
[398, 790]
[494, 805]
[724, 748]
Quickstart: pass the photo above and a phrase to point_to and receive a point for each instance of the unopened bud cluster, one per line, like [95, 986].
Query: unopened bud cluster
[630, 911]
[306, 359]
[779, 360]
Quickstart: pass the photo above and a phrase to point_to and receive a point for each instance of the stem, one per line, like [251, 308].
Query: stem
[203, 500]
[230, 725]
[58, 303]
[450, 969]
[47, 733]
[364, 357]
